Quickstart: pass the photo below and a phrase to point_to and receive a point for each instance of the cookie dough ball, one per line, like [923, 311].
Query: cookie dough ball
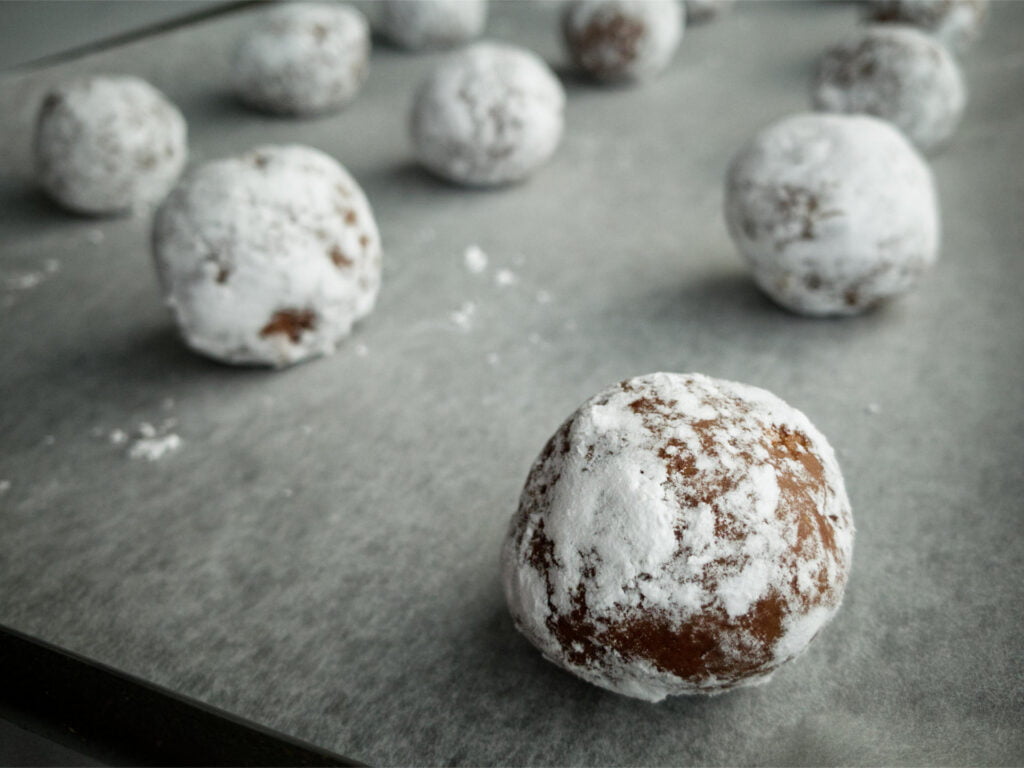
[699, 11]
[835, 213]
[489, 115]
[622, 40]
[269, 257]
[678, 535]
[108, 144]
[419, 25]
[899, 74]
[303, 59]
[957, 23]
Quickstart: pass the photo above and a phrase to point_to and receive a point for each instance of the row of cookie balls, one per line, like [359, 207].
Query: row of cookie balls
[831, 234]
[105, 145]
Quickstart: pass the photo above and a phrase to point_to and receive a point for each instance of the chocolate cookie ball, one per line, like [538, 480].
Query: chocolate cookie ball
[622, 40]
[899, 74]
[679, 535]
[488, 115]
[419, 25]
[699, 11]
[303, 59]
[108, 144]
[269, 257]
[957, 23]
[835, 213]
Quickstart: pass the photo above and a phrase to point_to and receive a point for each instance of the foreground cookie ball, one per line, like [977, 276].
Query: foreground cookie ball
[419, 25]
[489, 115]
[303, 59]
[269, 257]
[106, 145]
[622, 40]
[835, 213]
[679, 534]
[899, 74]
[957, 23]
[699, 11]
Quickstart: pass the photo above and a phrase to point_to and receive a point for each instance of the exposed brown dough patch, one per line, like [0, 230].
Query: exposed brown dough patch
[290, 322]
[619, 33]
[339, 258]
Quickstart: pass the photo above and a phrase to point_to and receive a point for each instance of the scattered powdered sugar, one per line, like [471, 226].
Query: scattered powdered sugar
[155, 447]
[505, 278]
[24, 281]
[475, 259]
[148, 442]
[463, 316]
[679, 534]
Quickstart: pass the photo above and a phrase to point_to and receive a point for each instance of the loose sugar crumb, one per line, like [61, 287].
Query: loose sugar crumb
[873, 409]
[493, 358]
[543, 297]
[95, 236]
[49, 440]
[118, 437]
[5, 486]
[475, 259]
[154, 448]
[463, 316]
[506, 277]
[362, 350]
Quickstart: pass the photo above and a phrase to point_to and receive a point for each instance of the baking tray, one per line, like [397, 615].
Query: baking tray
[321, 554]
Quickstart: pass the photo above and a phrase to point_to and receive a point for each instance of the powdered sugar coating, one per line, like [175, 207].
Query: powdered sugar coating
[488, 115]
[622, 40]
[899, 74]
[268, 257]
[303, 59]
[835, 213]
[699, 11]
[106, 144]
[431, 24]
[957, 23]
[679, 534]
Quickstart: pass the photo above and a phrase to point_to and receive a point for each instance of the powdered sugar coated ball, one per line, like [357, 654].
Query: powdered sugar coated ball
[622, 40]
[107, 144]
[268, 257]
[957, 23]
[303, 59]
[430, 24]
[835, 213]
[899, 74]
[698, 11]
[677, 535]
[488, 115]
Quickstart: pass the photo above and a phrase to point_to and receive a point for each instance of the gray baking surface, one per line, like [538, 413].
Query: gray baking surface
[321, 555]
